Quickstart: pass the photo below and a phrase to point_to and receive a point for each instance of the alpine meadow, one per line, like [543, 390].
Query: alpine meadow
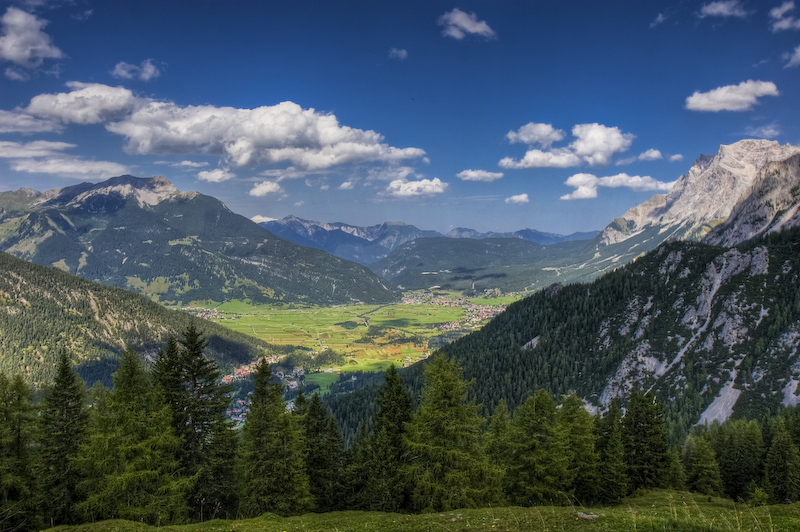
[322, 266]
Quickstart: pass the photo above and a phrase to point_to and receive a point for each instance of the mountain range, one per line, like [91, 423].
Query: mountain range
[367, 245]
[143, 234]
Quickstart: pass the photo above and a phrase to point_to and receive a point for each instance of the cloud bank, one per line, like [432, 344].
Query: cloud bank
[586, 185]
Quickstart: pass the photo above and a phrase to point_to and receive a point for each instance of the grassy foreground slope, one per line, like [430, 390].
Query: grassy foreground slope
[654, 511]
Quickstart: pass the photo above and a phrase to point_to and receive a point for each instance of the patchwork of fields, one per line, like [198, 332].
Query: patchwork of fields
[370, 336]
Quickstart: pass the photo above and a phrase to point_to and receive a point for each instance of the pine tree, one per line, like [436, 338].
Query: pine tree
[583, 463]
[324, 458]
[539, 472]
[271, 458]
[782, 465]
[448, 466]
[499, 447]
[740, 454]
[198, 402]
[62, 431]
[130, 459]
[17, 487]
[384, 490]
[676, 472]
[613, 470]
[702, 470]
[645, 439]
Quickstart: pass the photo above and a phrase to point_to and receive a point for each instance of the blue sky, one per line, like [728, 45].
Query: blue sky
[493, 115]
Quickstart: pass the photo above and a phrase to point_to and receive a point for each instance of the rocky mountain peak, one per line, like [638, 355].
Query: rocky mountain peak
[706, 195]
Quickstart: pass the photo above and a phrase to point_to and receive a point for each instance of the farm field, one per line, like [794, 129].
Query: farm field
[370, 336]
[654, 511]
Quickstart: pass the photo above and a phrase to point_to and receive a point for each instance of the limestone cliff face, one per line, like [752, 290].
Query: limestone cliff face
[706, 195]
[771, 204]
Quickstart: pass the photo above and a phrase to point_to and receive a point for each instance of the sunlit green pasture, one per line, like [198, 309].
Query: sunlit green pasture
[364, 332]
[655, 511]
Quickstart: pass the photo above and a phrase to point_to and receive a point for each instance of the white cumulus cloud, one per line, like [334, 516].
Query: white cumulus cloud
[398, 53]
[264, 188]
[518, 199]
[23, 42]
[283, 133]
[423, 187]
[458, 24]
[259, 219]
[723, 8]
[676, 157]
[596, 143]
[739, 97]
[218, 175]
[145, 71]
[347, 185]
[586, 185]
[532, 133]
[87, 103]
[479, 175]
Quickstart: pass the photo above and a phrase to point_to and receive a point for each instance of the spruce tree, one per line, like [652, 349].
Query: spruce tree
[613, 474]
[782, 465]
[576, 429]
[198, 402]
[62, 431]
[539, 473]
[17, 415]
[645, 439]
[448, 466]
[271, 457]
[740, 454]
[324, 458]
[130, 458]
[702, 470]
[499, 447]
[384, 490]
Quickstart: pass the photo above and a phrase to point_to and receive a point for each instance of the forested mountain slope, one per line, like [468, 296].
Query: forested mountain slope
[712, 331]
[44, 310]
[145, 235]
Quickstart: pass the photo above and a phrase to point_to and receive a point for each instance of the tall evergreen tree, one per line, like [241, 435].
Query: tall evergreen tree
[740, 454]
[17, 415]
[613, 474]
[271, 457]
[62, 431]
[540, 464]
[198, 401]
[702, 470]
[645, 439]
[324, 458]
[499, 447]
[384, 490]
[130, 458]
[576, 429]
[782, 465]
[448, 466]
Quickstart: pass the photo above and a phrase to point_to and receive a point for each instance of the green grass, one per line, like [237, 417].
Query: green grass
[654, 511]
[340, 328]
